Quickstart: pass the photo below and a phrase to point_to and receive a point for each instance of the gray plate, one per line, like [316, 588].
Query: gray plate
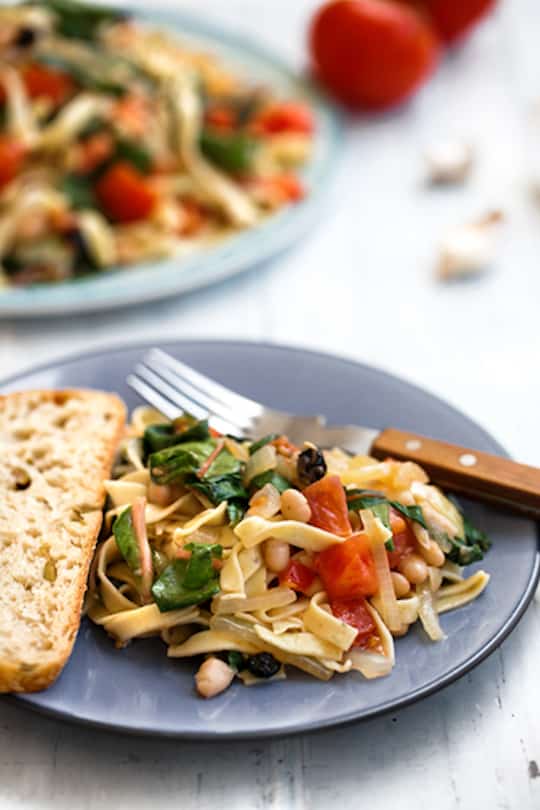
[138, 690]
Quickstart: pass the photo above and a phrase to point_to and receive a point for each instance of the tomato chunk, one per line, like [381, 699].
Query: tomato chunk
[286, 117]
[355, 613]
[347, 569]
[328, 504]
[42, 81]
[124, 193]
[297, 576]
[12, 154]
[404, 541]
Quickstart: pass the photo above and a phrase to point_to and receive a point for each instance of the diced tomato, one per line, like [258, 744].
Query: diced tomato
[215, 433]
[290, 186]
[12, 154]
[42, 81]
[355, 613]
[222, 118]
[404, 541]
[297, 576]
[124, 193]
[328, 505]
[286, 117]
[347, 569]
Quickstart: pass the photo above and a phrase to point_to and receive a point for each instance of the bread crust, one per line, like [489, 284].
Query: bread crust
[17, 676]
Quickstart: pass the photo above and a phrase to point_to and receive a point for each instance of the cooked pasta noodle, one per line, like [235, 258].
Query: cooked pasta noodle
[120, 144]
[187, 557]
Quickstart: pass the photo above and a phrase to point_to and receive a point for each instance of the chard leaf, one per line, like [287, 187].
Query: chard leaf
[126, 540]
[188, 582]
[134, 153]
[78, 189]
[199, 570]
[157, 437]
[236, 510]
[81, 20]
[220, 488]
[236, 660]
[224, 488]
[270, 477]
[262, 442]
[161, 436]
[234, 152]
[412, 512]
[173, 463]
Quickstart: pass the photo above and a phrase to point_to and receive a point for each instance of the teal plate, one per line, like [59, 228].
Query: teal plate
[159, 279]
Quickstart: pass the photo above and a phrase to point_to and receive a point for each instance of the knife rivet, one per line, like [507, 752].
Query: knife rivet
[413, 444]
[467, 460]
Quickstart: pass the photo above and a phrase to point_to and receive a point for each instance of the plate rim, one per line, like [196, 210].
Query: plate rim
[26, 700]
[185, 275]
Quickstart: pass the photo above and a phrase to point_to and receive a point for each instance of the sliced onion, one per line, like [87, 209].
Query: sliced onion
[427, 611]
[145, 555]
[378, 536]
[265, 503]
[246, 633]
[265, 458]
[273, 598]
[435, 578]
[370, 664]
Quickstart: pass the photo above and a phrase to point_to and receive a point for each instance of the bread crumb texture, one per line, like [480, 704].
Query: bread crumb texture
[57, 447]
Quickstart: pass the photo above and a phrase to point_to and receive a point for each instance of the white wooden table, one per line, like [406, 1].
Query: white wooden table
[362, 286]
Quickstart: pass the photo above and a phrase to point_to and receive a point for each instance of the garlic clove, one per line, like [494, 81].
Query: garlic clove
[449, 162]
[469, 249]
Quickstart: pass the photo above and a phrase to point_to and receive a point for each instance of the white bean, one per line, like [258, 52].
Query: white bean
[414, 569]
[401, 585]
[213, 677]
[294, 506]
[276, 555]
[432, 554]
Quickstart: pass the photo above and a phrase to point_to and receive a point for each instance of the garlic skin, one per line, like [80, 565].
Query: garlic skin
[469, 249]
[449, 162]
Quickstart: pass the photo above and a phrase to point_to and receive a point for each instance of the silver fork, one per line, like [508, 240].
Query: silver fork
[172, 386]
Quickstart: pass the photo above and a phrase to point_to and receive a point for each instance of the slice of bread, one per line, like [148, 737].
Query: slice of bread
[56, 449]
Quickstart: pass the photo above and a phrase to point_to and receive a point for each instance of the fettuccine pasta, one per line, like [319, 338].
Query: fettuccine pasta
[121, 144]
[260, 555]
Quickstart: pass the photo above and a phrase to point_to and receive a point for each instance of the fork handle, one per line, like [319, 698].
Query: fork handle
[478, 475]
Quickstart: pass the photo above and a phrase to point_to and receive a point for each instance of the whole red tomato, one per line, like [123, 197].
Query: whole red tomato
[453, 19]
[372, 53]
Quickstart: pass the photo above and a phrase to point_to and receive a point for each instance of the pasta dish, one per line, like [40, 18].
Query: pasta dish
[120, 143]
[254, 556]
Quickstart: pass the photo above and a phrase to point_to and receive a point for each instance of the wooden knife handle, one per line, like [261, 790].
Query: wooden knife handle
[478, 475]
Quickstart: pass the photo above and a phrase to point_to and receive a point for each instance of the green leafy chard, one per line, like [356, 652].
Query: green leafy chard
[224, 488]
[126, 540]
[187, 458]
[254, 446]
[471, 548]
[270, 477]
[189, 581]
[79, 191]
[233, 152]
[380, 506]
[160, 436]
[81, 20]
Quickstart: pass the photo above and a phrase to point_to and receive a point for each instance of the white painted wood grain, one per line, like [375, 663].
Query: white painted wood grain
[361, 285]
